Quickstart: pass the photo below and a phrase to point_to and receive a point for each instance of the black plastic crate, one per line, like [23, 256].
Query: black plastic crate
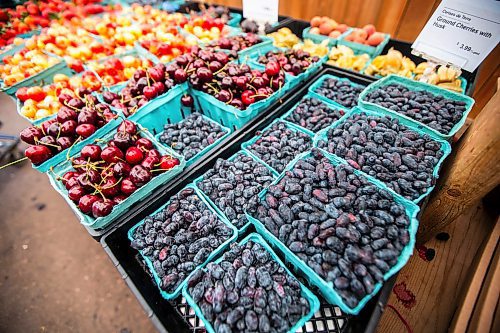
[177, 316]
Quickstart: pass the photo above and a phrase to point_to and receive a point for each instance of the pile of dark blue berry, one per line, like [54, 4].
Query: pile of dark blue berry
[191, 135]
[383, 148]
[435, 111]
[278, 145]
[346, 229]
[313, 114]
[341, 91]
[248, 291]
[180, 237]
[233, 186]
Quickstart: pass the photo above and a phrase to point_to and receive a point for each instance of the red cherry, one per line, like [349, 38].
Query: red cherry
[128, 126]
[140, 175]
[31, 134]
[144, 143]
[85, 203]
[127, 186]
[92, 152]
[112, 154]
[109, 187]
[247, 97]
[77, 162]
[134, 155]
[149, 162]
[154, 153]
[102, 208]
[64, 142]
[168, 162]
[180, 75]
[68, 127]
[121, 169]
[85, 130]
[38, 154]
[150, 92]
[119, 198]
[76, 192]
[65, 114]
[68, 175]
[156, 74]
[272, 68]
[187, 100]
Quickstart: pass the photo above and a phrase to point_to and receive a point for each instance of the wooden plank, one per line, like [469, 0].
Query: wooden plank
[414, 19]
[368, 13]
[390, 14]
[437, 284]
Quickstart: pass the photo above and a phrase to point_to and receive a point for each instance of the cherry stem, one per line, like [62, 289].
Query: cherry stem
[12, 163]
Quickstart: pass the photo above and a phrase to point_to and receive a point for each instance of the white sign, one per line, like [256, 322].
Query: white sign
[262, 11]
[461, 32]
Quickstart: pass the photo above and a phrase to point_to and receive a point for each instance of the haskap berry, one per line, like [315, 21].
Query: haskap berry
[435, 111]
[293, 62]
[180, 237]
[248, 291]
[383, 148]
[343, 92]
[279, 144]
[191, 135]
[104, 176]
[77, 119]
[234, 185]
[346, 229]
[313, 114]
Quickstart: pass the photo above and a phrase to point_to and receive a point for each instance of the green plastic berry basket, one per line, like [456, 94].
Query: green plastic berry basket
[319, 81]
[372, 51]
[445, 146]
[246, 145]
[317, 38]
[138, 195]
[329, 104]
[4, 52]
[197, 181]
[306, 293]
[215, 253]
[143, 52]
[154, 117]
[326, 288]
[77, 146]
[417, 86]
[40, 78]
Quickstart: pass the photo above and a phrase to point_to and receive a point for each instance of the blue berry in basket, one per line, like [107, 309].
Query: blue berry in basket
[342, 92]
[278, 145]
[313, 114]
[435, 111]
[272, 302]
[233, 187]
[183, 244]
[383, 148]
[345, 229]
[191, 135]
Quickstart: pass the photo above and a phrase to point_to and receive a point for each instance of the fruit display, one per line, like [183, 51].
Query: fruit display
[293, 62]
[180, 237]
[327, 27]
[248, 25]
[191, 135]
[233, 186]
[78, 119]
[344, 57]
[314, 49]
[367, 35]
[24, 64]
[387, 150]
[144, 86]
[248, 291]
[104, 25]
[313, 114]
[167, 45]
[104, 175]
[343, 92]
[116, 70]
[219, 12]
[391, 63]
[278, 145]
[236, 43]
[150, 15]
[346, 229]
[435, 111]
[40, 102]
[284, 37]
[444, 77]
[206, 28]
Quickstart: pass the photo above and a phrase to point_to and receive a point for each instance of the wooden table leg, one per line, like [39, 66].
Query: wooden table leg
[475, 171]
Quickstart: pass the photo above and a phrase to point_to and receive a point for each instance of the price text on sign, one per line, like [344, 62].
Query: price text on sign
[461, 32]
[261, 10]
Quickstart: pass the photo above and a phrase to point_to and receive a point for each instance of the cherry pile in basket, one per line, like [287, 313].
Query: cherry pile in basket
[78, 118]
[294, 62]
[233, 84]
[105, 176]
[144, 86]
[236, 43]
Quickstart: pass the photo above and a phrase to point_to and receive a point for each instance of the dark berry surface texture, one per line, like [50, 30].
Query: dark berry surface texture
[180, 237]
[278, 145]
[293, 62]
[343, 92]
[191, 135]
[387, 150]
[346, 229]
[248, 291]
[233, 186]
[435, 111]
[313, 114]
